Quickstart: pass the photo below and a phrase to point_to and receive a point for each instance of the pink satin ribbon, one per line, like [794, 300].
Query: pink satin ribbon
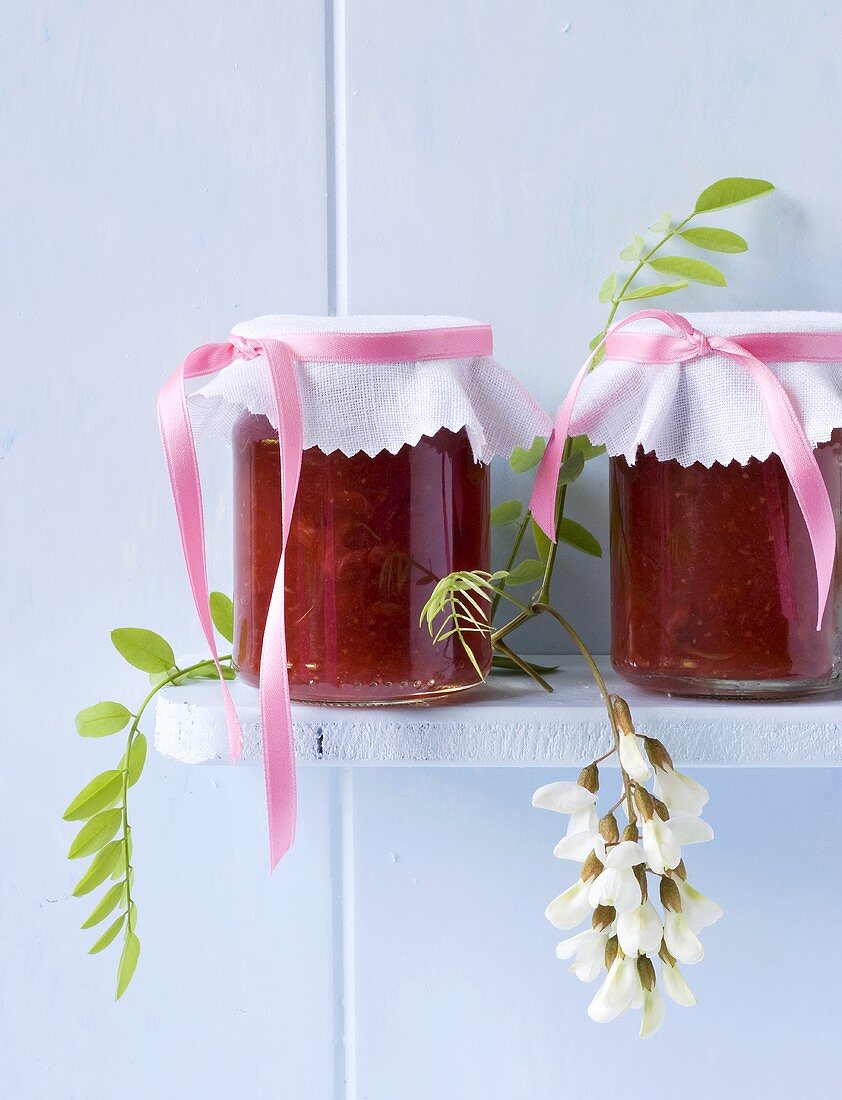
[753, 350]
[281, 353]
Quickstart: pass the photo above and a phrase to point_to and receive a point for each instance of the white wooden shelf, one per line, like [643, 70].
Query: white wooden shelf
[508, 722]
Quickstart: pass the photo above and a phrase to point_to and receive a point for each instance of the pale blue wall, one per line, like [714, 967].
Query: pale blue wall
[171, 168]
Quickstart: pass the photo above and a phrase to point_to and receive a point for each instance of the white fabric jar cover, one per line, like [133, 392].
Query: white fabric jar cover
[708, 409]
[371, 407]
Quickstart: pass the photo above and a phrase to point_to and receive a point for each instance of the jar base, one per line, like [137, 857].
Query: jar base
[665, 683]
[360, 695]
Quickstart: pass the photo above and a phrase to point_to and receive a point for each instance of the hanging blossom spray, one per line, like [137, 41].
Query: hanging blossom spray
[622, 875]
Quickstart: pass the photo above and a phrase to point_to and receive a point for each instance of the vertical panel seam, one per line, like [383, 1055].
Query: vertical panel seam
[336, 160]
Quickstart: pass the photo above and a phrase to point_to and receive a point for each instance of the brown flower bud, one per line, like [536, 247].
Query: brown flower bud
[631, 832]
[665, 955]
[646, 972]
[603, 917]
[681, 871]
[661, 809]
[622, 715]
[670, 897]
[644, 802]
[608, 829]
[611, 949]
[591, 867]
[657, 753]
[589, 778]
[642, 881]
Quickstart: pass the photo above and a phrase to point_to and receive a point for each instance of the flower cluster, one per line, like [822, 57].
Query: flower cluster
[628, 933]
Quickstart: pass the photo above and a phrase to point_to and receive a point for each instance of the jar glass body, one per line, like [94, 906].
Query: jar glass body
[370, 538]
[713, 584]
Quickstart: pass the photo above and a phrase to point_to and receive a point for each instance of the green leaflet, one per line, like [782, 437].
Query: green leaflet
[109, 935]
[104, 862]
[507, 512]
[606, 291]
[731, 191]
[698, 271]
[521, 461]
[654, 291]
[715, 240]
[128, 963]
[574, 534]
[95, 833]
[144, 649]
[107, 904]
[102, 719]
[222, 613]
[525, 572]
[101, 792]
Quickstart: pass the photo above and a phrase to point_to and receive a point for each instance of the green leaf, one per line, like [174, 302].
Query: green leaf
[506, 664]
[634, 250]
[507, 512]
[521, 461]
[699, 271]
[128, 963]
[137, 758]
[571, 468]
[144, 649]
[731, 192]
[222, 613]
[606, 291]
[525, 572]
[102, 719]
[542, 543]
[715, 240]
[95, 833]
[663, 224]
[576, 535]
[102, 865]
[100, 793]
[107, 904]
[120, 869]
[583, 444]
[109, 935]
[653, 291]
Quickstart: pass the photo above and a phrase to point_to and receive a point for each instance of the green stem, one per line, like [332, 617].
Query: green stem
[495, 603]
[523, 666]
[171, 677]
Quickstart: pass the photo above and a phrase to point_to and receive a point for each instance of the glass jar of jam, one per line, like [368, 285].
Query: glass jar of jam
[370, 538]
[713, 582]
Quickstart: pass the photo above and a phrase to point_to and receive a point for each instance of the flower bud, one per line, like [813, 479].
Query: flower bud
[646, 972]
[657, 753]
[642, 880]
[664, 954]
[661, 809]
[608, 829]
[611, 949]
[670, 897]
[681, 871]
[644, 802]
[589, 778]
[622, 715]
[591, 867]
[631, 832]
[603, 917]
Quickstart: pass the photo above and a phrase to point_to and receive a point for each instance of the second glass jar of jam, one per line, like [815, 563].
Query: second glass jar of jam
[370, 538]
[713, 582]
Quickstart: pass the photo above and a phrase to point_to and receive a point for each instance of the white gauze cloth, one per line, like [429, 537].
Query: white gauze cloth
[708, 410]
[371, 407]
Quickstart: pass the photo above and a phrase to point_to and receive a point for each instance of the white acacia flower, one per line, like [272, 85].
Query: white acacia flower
[690, 830]
[615, 995]
[676, 987]
[582, 837]
[639, 930]
[589, 949]
[653, 1012]
[682, 942]
[682, 794]
[698, 910]
[617, 884]
[662, 848]
[632, 758]
[565, 797]
[570, 907]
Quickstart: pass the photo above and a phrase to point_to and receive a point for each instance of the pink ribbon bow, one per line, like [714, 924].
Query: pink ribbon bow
[753, 350]
[281, 353]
